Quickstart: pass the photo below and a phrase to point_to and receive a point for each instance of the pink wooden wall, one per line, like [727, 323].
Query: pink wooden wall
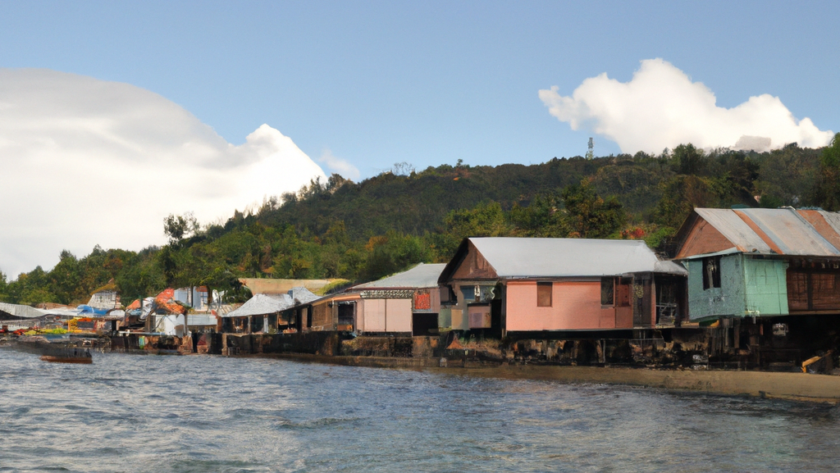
[574, 306]
[384, 315]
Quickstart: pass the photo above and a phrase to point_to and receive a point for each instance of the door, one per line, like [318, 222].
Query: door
[642, 308]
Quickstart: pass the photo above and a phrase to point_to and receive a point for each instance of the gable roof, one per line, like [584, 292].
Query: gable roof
[784, 231]
[262, 304]
[302, 295]
[420, 276]
[20, 311]
[563, 257]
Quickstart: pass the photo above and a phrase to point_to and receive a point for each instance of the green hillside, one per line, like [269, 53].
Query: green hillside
[366, 230]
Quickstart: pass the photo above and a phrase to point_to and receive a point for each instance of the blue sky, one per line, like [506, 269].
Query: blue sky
[126, 95]
[431, 82]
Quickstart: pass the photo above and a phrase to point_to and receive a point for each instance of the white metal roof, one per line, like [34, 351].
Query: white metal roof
[302, 295]
[262, 304]
[420, 276]
[570, 257]
[22, 311]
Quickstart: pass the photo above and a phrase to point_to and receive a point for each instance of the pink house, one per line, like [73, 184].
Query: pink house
[559, 284]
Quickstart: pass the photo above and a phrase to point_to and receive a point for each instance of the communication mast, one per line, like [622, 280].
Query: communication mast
[590, 154]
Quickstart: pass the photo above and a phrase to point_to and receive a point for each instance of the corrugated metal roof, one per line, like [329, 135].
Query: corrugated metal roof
[790, 232]
[262, 304]
[776, 231]
[22, 311]
[302, 295]
[422, 275]
[731, 226]
[569, 257]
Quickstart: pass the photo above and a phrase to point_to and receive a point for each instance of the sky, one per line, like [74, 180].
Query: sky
[115, 114]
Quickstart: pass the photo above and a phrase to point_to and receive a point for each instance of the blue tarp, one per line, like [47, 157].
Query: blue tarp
[88, 310]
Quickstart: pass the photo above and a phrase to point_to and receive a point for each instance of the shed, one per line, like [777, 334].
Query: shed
[259, 314]
[404, 302]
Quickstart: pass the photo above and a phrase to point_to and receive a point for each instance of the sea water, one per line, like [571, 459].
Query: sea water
[211, 413]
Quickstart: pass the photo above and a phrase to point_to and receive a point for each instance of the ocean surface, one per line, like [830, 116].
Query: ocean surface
[208, 413]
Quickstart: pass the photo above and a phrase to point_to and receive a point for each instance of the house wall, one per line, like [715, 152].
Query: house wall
[430, 295]
[384, 315]
[703, 239]
[575, 305]
[765, 286]
[749, 286]
[323, 317]
[729, 299]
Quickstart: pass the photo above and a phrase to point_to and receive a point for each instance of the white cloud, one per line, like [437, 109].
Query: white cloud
[338, 165]
[88, 162]
[661, 108]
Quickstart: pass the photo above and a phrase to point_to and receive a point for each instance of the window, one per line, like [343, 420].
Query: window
[468, 293]
[607, 291]
[711, 272]
[544, 294]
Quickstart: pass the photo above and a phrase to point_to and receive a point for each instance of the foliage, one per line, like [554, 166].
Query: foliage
[828, 188]
[385, 224]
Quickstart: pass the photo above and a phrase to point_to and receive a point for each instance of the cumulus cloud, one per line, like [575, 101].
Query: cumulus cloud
[661, 108]
[338, 165]
[88, 162]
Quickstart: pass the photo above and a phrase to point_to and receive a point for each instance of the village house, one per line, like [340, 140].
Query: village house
[503, 285]
[768, 280]
[300, 315]
[406, 303]
[103, 300]
[258, 315]
[761, 262]
[196, 297]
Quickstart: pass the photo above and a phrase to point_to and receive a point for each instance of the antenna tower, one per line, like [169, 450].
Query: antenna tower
[590, 154]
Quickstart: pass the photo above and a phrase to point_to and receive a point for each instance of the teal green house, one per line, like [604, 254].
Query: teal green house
[760, 262]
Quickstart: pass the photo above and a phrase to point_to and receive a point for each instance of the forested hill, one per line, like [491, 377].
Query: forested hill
[418, 202]
[366, 230]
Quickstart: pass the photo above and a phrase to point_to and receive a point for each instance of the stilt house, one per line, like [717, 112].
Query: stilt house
[558, 284]
[761, 262]
[405, 303]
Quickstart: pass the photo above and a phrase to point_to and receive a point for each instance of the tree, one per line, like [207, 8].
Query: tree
[688, 159]
[178, 227]
[4, 287]
[590, 216]
[484, 220]
[543, 217]
[394, 252]
[828, 184]
[680, 195]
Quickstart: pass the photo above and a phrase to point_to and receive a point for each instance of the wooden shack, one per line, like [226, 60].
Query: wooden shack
[405, 303]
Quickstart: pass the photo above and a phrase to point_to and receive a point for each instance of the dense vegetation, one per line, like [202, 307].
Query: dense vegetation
[366, 230]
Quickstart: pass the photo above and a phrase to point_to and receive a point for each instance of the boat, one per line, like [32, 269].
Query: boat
[53, 352]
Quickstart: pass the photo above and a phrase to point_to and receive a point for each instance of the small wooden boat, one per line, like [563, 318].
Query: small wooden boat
[63, 354]
[85, 360]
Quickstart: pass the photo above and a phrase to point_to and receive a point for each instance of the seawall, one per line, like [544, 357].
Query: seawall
[787, 386]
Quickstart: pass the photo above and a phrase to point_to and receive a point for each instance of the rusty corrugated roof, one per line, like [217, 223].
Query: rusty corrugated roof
[783, 231]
